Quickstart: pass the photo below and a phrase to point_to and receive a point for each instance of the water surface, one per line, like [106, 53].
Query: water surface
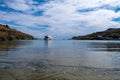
[60, 60]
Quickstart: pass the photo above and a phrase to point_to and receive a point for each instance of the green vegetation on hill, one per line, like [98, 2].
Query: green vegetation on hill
[109, 34]
[7, 33]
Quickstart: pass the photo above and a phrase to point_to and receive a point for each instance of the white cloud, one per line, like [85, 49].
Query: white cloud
[18, 4]
[63, 17]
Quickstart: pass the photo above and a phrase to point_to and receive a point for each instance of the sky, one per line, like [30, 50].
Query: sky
[61, 19]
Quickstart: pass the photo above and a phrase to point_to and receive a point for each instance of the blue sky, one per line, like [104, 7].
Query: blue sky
[60, 18]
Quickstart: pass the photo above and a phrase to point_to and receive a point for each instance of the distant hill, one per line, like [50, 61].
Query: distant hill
[7, 33]
[109, 34]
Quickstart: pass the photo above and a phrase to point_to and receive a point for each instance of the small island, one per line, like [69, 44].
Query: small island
[7, 33]
[109, 34]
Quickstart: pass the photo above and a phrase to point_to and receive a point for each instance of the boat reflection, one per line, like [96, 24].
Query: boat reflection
[47, 43]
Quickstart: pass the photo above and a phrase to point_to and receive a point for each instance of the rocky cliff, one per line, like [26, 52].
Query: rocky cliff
[7, 33]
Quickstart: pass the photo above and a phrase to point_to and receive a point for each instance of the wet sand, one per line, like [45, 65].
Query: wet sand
[43, 71]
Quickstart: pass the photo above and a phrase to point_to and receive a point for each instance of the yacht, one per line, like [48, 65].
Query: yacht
[47, 37]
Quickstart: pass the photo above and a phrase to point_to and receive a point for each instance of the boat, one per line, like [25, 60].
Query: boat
[47, 37]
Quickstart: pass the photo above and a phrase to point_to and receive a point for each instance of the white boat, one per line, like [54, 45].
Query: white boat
[47, 37]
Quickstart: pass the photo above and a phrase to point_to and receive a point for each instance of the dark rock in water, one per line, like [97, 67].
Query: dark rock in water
[7, 33]
[109, 34]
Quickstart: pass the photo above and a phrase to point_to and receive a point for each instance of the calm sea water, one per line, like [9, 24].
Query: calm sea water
[91, 55]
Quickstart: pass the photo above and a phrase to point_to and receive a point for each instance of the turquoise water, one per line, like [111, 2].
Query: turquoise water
[69, 54]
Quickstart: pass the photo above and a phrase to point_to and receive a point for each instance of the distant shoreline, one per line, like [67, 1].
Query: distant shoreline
[109, 34]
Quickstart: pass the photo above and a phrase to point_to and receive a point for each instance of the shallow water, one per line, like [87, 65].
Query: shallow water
[60, 60]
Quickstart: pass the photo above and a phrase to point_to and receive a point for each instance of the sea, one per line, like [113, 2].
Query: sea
[60, 60]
